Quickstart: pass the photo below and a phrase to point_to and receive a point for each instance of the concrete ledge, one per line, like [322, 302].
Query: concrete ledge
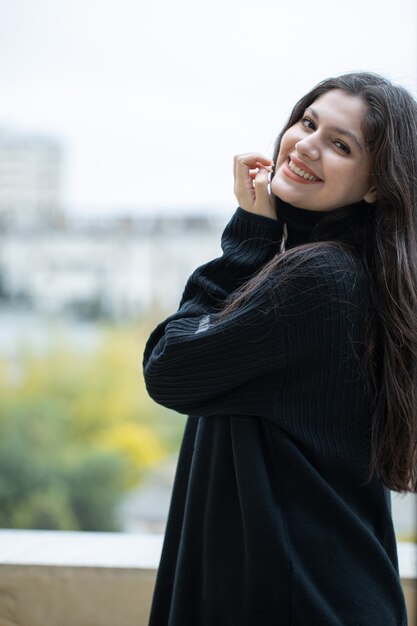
[100, 579]
[80, 549]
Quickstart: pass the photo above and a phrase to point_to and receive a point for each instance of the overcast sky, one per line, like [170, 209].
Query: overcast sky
[151, 100]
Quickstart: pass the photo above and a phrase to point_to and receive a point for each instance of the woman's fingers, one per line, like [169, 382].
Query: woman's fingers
[251, 178]
[251, 158]
[246, 166]
[253, 173]
[249, 161]
[264, 204]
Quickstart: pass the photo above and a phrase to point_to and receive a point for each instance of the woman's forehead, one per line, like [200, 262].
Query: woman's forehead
[340, 109]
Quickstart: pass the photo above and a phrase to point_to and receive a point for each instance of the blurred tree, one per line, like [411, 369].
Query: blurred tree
[77, 430]
[46, 510]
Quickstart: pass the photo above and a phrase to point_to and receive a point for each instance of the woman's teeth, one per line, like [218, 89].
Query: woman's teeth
[301, 173]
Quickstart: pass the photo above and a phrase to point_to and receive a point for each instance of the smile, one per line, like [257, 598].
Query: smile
[300, 172]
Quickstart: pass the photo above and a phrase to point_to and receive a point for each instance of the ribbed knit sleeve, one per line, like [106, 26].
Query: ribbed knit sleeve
[248, 242]
[190, 359]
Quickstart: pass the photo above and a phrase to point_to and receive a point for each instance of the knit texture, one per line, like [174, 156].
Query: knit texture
[271, 520]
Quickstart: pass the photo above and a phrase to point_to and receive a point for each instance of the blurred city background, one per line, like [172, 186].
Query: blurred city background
[118, 126]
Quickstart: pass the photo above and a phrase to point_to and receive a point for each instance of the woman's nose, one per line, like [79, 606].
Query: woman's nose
[308, 147]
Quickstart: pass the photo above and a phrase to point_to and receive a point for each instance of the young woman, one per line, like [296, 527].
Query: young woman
[294, 354]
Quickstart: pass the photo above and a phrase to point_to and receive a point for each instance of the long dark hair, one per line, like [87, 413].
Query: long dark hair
[384, 234]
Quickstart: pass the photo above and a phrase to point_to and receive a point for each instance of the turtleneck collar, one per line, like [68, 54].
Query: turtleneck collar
[299, 219]
[303, 225]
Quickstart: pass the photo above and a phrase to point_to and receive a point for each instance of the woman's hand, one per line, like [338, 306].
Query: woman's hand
[251, 174]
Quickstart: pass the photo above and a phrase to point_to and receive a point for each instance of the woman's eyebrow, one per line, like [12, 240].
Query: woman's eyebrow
[340, 131]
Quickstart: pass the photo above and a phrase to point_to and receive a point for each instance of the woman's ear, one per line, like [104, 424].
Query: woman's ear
[370, 196]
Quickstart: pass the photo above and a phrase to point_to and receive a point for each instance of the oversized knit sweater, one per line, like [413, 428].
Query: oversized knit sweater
[272, 521]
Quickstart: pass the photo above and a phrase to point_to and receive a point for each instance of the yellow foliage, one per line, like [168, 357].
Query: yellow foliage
[78, 429]
[99, 392]
[136, 442]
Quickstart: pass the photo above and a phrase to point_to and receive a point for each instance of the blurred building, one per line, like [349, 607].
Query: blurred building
[52, 263]
[30, 178]
[114, 268]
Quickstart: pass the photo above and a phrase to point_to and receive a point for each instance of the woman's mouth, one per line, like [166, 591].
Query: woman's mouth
[297, 173]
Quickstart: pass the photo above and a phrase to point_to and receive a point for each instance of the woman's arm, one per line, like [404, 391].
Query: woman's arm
[194, 362]
[248, 242]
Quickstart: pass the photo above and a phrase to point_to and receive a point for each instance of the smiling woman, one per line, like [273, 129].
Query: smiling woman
[294, 354]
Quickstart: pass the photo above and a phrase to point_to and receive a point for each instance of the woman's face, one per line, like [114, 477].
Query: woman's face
[323, 163]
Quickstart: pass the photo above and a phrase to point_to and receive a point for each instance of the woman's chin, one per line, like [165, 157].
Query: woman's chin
[285, 193]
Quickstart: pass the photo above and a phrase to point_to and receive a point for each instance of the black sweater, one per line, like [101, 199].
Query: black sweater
[271, 520]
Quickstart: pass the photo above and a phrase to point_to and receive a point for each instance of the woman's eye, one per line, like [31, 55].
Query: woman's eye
[308, 123]
[342, 146]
